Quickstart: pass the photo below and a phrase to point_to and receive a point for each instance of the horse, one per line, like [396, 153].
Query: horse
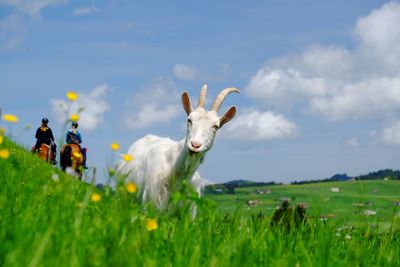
[71, 157]
[44, 152]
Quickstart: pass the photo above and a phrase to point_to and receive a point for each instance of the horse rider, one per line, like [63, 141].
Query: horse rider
[44, 135]
[74, 137]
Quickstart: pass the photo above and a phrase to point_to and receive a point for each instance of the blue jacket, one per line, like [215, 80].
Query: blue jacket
[73, 138]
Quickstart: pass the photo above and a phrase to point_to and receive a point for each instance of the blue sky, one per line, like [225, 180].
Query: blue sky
[319, 80]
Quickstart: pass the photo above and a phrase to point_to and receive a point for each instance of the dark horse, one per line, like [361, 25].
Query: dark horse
[71, 157]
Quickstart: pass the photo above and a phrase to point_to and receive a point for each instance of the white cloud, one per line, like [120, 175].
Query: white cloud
[152, 113]
[339, 83]
[31, 8]
[185, 72]
[12, 31]
[391, 135]
[373, 98]
[85, 10]
[352, 142]
[90, 106]
[13, 27]
[256, 125]
[156, 103]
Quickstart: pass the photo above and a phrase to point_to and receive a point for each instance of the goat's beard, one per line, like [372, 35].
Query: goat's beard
[192, 153]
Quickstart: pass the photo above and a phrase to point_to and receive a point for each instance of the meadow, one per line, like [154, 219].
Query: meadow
[48, 218]
[350, 204]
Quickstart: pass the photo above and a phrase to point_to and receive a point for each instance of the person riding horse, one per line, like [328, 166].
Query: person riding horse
[44, 135]
[74, 137]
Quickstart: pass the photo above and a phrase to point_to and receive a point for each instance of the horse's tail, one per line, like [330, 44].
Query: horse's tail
[65, 158]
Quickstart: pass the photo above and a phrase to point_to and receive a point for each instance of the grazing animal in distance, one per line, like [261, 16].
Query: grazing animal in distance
[160, 164]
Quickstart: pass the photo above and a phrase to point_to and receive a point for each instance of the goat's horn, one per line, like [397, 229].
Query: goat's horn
[221, 96]
[202, 97]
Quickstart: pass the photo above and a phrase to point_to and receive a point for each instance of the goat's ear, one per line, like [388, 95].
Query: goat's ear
[187, 106]
[227, 116]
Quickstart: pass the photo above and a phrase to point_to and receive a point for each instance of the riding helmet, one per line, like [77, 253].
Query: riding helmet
[45, 120]
[74, 123]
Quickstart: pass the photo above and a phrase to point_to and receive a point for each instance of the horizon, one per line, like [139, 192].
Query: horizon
[320, 82]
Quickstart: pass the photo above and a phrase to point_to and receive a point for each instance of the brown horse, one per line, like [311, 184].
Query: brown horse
[44, 152]
[71, 157]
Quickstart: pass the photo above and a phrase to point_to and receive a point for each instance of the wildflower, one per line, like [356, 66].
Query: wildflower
[151, 225]
[74, 117]
[4, 153]
[76, 155]
[96, 197]
[1, 139]
[10, 118]
[55, 177]
[131, 187]
[72, 96]
[114, 146]
[70, 171]
[127, 157]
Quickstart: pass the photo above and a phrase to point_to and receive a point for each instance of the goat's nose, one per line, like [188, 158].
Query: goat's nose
[195, 144]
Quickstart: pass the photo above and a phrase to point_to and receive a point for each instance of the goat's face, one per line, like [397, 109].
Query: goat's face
[201, 129]
[202, 125]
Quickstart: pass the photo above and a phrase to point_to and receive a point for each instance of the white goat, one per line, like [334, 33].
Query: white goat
[160, 164]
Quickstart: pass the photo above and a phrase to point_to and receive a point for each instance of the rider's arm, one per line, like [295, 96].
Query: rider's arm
[51, 135]
[37, 133]
[78, 137]
[68, 138]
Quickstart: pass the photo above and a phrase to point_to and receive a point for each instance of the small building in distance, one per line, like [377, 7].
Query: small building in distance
[263, 191]
[335, 189]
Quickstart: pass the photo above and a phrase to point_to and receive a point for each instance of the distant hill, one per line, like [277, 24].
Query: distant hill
[335, 178]
[378, 175]
[381, 174]
[229, 187]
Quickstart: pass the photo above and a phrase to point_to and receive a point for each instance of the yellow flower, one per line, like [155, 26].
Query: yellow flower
[151, 225]
[10, 118]
[127, 157]
[131, 187]
[72, 96]
[76, 155]
[1, 139]
[114, 146]
[96, 197]
[74, 117]
[4, 153]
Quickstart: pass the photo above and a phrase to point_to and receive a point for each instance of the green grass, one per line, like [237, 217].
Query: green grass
[54, 223]
[377, 195]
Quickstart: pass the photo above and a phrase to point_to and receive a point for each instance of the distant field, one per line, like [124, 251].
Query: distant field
[350, 203]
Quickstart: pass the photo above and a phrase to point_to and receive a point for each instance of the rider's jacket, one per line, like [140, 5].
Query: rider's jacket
[73, 137]
[44, 135]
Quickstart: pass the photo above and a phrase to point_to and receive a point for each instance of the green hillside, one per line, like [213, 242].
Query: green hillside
[349, 204]
[51, 219]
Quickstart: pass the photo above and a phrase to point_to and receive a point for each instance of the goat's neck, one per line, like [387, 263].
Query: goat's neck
[187, 164]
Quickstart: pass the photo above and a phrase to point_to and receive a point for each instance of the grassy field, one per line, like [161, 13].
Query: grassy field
[350, 204]
[51, 219]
